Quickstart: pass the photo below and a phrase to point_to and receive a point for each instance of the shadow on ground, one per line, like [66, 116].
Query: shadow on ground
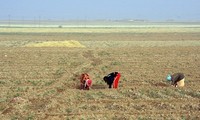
[160, 84]
[96, 86]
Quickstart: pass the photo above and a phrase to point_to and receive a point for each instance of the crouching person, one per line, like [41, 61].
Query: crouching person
[177, 79]
[85, 81]
[112, 79]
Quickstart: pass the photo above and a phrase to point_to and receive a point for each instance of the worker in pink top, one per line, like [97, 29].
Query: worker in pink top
[85, 81]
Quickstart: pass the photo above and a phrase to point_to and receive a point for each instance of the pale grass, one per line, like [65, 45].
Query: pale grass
[103, 30]
[71, 43]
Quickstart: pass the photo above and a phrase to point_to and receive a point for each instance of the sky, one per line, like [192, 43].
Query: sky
[154, 10]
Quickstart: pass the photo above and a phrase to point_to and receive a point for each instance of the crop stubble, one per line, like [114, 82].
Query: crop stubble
[46, 78]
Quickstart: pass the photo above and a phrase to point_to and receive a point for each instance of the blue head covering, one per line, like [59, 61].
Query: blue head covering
[169, 77]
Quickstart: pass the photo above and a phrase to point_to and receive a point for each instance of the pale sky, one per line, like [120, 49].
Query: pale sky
[183, 10]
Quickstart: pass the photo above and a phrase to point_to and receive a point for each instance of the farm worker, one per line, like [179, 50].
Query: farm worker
[85, 81]
[112, 79]
[177, 79]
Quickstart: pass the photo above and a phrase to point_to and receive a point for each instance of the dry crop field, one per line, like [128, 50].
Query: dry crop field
[40, 67]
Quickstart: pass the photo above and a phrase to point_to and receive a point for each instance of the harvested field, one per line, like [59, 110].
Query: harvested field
[40, 82]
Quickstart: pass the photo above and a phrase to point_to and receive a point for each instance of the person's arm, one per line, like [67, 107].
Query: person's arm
[85, 83]
[173, 81]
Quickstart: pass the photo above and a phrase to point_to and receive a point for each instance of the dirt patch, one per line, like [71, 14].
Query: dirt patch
[8, 110]
[160, 84]
[96, 86]
[38, 104]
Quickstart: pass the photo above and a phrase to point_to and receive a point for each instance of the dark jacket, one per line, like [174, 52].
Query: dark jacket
[110, 78]
[176, 78]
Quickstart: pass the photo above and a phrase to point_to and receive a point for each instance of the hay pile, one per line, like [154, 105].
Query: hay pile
[70, 43]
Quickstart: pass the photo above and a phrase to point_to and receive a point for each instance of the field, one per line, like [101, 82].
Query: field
[40, 67]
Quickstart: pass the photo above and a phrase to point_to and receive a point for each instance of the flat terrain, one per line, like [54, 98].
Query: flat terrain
[39, 76]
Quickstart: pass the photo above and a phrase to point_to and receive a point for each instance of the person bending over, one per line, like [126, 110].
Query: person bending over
[112, 79]
[85, 81]
[177, 79]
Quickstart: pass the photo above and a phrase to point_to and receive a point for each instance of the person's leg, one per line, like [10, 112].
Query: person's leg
[116, 81]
